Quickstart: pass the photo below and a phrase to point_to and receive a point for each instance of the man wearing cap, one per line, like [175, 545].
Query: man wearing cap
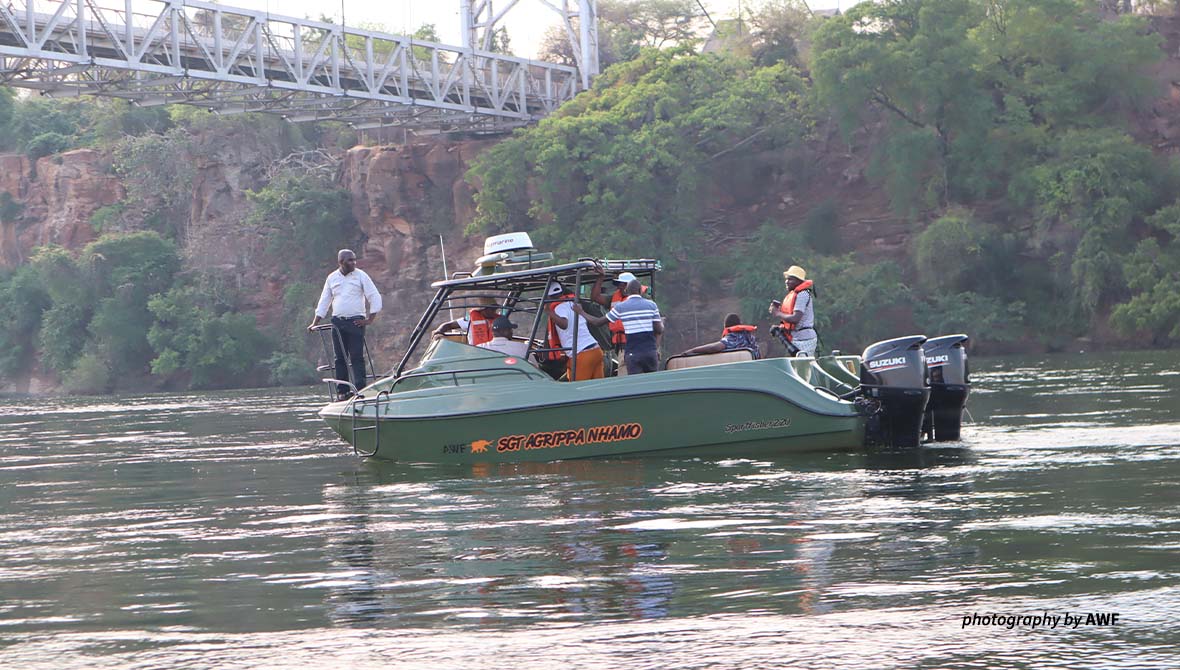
[644, 325]
[797, 313]
[567, 318]
[618, 334]
[477, 324]
[502, 341]
[354, 300]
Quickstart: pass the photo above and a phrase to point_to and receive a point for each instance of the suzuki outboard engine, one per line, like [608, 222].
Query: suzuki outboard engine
[893, 374]
[946, 358]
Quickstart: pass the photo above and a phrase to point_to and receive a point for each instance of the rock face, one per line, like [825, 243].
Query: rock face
[404, 198]
[53, 203]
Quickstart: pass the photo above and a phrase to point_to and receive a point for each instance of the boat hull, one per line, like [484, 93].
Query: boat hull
[740, 410]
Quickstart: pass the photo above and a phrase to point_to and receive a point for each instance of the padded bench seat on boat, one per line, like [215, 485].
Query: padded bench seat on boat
[734, 356]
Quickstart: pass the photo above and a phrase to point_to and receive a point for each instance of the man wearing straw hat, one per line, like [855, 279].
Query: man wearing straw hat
[796, 313]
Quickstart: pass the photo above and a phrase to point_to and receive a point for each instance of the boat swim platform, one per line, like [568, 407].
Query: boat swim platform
[230, 60]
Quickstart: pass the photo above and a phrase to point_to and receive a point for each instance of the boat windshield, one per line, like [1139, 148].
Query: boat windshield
[516, 292]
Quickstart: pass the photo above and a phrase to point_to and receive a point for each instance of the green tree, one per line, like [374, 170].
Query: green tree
[913, 61]
[23, 300]
[158, 171]
[125, 271]
[1088, 192]
[1152, 271]
[58, 123]
[626, 27]
[294, 361]
[302, 215]
[950, 253]
[623, 169]
[985, 318]
[6, 105]
[779, 28]
[111, 119]
[70, 306]
[213, 347]
[973, 89]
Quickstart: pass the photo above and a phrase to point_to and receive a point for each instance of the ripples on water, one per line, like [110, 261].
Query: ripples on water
[233, 531]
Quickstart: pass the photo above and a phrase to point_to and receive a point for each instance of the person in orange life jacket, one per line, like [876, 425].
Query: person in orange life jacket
[354, 301]
[644, 325]
[477, 323]
[618, 335]
[797, 312]
[566, 318]
[735, 336]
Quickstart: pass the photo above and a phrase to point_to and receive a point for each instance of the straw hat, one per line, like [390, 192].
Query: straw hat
[796, 272]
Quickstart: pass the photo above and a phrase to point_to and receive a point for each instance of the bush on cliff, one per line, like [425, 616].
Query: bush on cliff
[623, 169]
[22, 302]
[305, 217]
[95, 305]
[213, 347]
[295, 360]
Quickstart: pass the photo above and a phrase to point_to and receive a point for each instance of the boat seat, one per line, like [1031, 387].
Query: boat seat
[734, 356]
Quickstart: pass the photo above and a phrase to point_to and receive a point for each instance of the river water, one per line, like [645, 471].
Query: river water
[232, 530]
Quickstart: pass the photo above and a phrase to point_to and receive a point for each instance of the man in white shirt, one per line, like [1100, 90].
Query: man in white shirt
[502, 340]
[354, 301]
[589, 355]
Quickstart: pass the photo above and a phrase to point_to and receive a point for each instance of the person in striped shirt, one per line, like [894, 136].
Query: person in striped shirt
[642, 324]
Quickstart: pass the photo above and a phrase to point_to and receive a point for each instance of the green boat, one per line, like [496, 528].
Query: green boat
[457, 403]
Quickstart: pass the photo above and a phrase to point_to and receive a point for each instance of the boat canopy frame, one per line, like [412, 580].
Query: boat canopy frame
[512, 290]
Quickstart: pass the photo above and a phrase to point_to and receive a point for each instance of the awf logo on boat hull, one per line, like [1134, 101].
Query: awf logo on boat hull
[883, 364]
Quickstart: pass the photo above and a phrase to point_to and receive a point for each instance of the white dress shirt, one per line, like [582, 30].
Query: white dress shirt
[346, 295]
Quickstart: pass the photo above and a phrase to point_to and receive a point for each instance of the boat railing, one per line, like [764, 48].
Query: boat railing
[454, 375]
[358, 409]
[683, 361]
[329, 339]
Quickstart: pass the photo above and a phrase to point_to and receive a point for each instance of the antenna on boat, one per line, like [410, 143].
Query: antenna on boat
[446, 275]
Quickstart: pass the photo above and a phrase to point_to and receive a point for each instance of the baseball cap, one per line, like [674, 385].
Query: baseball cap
[556, 289]
[502, 322]
[625, 278]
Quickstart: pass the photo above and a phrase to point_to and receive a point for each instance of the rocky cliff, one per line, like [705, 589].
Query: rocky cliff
[51, 201]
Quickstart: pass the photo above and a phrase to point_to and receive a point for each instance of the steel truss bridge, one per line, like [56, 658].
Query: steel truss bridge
[238, 60]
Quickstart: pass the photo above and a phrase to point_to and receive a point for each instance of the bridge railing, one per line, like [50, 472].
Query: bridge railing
[233, 60]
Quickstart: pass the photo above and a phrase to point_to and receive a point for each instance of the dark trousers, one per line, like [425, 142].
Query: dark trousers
[642, 355]
[348, 343]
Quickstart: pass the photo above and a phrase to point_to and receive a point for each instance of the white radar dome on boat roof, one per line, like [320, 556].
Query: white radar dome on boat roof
[506, 242]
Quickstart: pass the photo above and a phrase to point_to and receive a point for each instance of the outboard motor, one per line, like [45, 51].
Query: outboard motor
[893, 374]
[946, 358]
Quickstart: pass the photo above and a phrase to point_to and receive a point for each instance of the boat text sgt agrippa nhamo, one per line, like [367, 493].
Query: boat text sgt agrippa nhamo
[446, 401]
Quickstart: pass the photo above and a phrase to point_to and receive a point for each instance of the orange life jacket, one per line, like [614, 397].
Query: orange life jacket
[479, 328]
[618, 337]
[740, 328]
[554, 338]
[789, 305]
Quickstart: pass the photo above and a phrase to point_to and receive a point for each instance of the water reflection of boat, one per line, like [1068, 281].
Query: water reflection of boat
[459, 403]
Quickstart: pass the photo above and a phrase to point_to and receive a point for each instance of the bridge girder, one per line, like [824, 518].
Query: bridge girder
[233, 60]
